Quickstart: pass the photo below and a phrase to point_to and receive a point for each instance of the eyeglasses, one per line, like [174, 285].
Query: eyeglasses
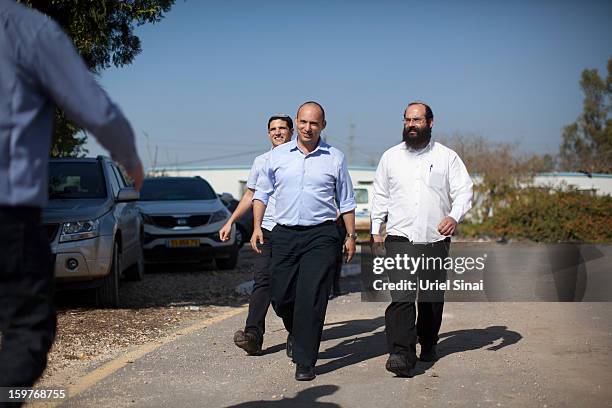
[417, 121]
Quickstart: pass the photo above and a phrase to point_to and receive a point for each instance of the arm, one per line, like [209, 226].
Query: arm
[380, 200]
[349, 243]
[244, 205]
[263, 191]
[259, 208]
[461, 196]
[346, 201]
[64, 76]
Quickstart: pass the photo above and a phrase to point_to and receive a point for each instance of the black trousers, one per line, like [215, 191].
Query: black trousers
[402, 333]
[27, 315]
[302, 268]
[260, 297]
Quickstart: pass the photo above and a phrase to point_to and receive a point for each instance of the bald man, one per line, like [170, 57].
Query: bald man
[307, 177]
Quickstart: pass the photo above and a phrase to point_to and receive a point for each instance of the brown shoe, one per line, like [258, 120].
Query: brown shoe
[248, 342]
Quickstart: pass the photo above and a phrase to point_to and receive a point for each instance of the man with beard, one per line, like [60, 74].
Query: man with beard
[423, 190]
[280, 130]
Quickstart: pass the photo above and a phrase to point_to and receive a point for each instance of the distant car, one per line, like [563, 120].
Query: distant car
[182, 217]
[93, 225]
[362, 212]
[244, 224]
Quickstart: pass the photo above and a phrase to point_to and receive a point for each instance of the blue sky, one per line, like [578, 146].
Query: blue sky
[212, 72]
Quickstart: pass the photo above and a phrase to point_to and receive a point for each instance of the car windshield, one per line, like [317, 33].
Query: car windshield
[162, 189]
[76, 180]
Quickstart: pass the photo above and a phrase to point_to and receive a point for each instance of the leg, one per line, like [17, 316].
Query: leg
[313, 287]
[284, 272]
[27, 316]
[260, 297]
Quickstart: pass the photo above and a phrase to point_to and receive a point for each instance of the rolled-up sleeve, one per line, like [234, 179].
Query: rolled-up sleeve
[265, 184]
[63, 74]
[344, 188]
[461, 189]
[380, 197]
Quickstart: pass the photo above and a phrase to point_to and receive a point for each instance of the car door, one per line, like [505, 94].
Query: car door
[130, 220]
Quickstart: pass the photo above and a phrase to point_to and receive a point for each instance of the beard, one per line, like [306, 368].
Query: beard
[420, 140]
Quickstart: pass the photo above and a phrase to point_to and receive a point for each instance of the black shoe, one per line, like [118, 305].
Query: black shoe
[428, 354]
[304, 372]
[399, 365]
[290, 346]
[248, 342]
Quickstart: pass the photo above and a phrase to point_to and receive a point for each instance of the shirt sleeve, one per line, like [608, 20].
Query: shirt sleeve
[265, 183]
[252, 180]
[461, 189]
[380, 196]
[63, 74]
[344, 188]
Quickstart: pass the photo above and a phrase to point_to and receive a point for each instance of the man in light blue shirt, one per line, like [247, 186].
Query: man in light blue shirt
[39, 68]
[280, 130]
[307, 177]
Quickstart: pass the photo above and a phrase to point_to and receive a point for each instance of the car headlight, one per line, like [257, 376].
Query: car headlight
[77, 230]
[217, 216]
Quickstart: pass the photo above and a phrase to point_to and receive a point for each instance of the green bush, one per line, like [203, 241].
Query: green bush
[548, 216]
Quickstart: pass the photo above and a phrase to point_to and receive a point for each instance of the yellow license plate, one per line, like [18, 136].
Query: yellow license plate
[182, 243]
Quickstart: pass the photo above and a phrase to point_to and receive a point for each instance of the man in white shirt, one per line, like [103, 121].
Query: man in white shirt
[422, 189]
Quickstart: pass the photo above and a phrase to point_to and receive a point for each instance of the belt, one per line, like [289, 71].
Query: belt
[395, 238]
[307, 227]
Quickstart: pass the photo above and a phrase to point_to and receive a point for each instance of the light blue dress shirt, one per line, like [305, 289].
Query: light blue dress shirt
[39, 67]
[256, 172]
[306, 186]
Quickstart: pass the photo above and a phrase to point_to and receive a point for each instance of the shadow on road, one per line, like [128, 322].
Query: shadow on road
[356, 350]
[304, 398]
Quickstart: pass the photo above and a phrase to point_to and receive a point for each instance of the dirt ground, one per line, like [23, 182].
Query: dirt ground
[168, 298]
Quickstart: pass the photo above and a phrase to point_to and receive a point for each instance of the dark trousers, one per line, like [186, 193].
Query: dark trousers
[27, 315]
[400, 316]
[260, 297]
[302, 268]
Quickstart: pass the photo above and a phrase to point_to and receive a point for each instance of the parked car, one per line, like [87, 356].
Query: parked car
[244, 224]
[363, 195]
[93, 225]
[182, 217]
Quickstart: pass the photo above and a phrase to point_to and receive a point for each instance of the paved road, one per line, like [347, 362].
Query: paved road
[492, 354]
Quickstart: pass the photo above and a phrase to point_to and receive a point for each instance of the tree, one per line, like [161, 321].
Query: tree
[103, 33]
[587, 143]
[500, 170]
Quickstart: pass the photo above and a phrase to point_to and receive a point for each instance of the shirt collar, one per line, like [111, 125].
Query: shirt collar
[320, 146]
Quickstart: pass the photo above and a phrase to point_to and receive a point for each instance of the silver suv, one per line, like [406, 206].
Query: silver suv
[94, 226]
[182, 217]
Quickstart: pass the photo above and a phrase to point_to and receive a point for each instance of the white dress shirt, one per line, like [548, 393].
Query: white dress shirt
[416, 189]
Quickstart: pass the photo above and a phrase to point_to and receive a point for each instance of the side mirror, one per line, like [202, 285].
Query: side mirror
[128, 194]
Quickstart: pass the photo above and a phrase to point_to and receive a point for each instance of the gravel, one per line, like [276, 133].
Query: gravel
[168, 298]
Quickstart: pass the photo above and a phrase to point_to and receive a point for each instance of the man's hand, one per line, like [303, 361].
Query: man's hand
[226, 231]
[349, 249]
[447, 226]
[257, 237]
[378, 245]
[136, 174]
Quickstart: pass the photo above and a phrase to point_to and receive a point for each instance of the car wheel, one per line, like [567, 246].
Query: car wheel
[228, 263]
[108, 293]
[136, 271]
